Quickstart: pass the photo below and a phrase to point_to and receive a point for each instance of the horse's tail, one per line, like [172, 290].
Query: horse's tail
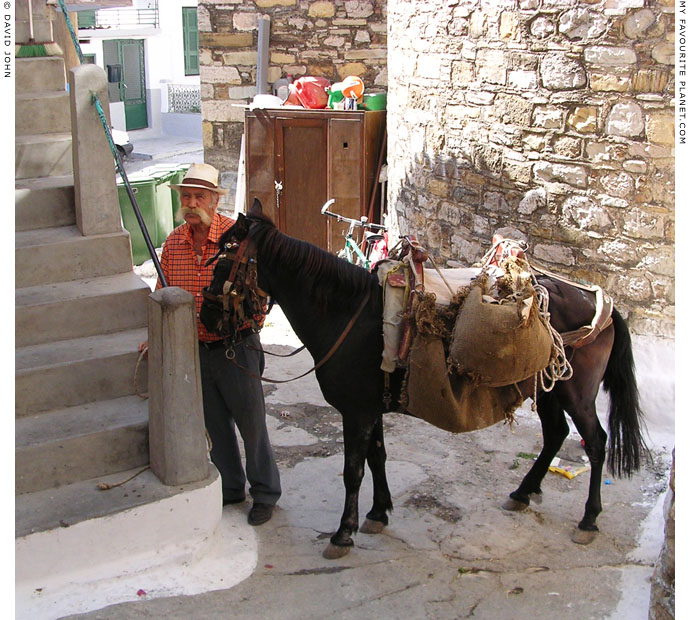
[626, 443]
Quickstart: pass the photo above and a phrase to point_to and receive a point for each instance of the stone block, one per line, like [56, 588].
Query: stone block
[374, 53]
[583, 119]
[477, 24]
[322, 9]
[491, 66]
[617, 183]
[523, 80]
[610, 56]
[352, 68]
[547, 117]
[225, 39]
[625, 119]
[207, 134]
[621, 7]
[534, 141]
[635, 166]
[567, 146]
[636, 24]
[219, 75]
[512, 109]
[359, 8]
[561, 173]
[642, 224]
[222, 111]
[241, 59]
[532, 200]
[660, 128]
[268, 4]
[650, 80]
[551, 253]
[245, 21]
[609, 82]
[582, 24]
[663, 53]
[542, 27]
[560, 72]
[462, 72]
[585, 214]
[509, 26]
[241, 92]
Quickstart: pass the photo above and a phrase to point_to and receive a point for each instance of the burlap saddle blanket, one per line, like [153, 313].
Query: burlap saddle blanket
[468, 337]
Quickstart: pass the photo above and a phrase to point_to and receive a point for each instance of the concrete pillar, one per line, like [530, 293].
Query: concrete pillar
[95, 191]
[177, 441]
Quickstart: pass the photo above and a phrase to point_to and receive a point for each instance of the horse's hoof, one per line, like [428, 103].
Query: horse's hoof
[333, 552]
[514, 506]
[372, 527]
[583, 537]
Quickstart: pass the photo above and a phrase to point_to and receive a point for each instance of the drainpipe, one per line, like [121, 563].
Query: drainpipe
[262, 60]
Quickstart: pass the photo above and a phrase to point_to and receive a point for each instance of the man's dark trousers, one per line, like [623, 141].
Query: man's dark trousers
[234, 398]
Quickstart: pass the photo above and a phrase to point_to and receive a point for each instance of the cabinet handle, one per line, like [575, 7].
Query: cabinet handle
[279, 188]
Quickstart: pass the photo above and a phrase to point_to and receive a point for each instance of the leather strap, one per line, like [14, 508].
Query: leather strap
[328, 355]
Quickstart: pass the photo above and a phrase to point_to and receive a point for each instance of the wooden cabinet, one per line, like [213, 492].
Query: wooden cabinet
[296, 160]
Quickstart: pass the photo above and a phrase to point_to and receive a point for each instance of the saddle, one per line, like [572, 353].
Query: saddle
[467, 340]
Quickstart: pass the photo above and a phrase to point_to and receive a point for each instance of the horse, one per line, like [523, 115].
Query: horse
[328, 300]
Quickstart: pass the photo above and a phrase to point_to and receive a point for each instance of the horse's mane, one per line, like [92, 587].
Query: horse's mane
[330, 279]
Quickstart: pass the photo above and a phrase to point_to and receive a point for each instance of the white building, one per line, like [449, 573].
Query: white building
[150, 50]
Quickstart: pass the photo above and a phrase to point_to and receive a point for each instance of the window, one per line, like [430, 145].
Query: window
[190, 35]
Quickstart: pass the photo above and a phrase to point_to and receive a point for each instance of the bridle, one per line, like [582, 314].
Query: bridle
[242, 300]
[242, 286]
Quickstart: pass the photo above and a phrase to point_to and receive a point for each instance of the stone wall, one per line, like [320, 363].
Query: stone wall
[550, 120]
[330, 38]
[662, 600]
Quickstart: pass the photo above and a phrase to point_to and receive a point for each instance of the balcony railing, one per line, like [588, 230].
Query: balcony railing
[184, 98]
[125, 17]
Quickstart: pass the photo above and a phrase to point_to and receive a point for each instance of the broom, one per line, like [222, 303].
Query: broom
[32, 49]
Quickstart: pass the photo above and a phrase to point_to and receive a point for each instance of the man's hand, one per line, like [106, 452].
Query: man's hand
[144, 348]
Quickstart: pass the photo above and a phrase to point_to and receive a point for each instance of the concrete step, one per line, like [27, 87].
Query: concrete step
[70, 542]
[62, 254]
[42, 113]
[67, 373]
[39, 74]
[78, 443]
[45, 313]
[44, 202]
[43, 30]
[42, 155]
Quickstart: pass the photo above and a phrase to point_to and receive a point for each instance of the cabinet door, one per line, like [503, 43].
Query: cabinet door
[344, 175]
[259, 157]
[301, 166]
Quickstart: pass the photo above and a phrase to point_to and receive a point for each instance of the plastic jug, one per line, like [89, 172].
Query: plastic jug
[311, 92]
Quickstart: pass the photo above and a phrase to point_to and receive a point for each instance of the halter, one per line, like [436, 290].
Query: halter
[243, 302]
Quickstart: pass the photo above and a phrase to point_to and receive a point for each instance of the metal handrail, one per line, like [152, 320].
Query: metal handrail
[118, 161]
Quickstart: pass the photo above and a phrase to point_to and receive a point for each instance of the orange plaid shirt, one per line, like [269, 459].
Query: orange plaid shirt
[181, 268]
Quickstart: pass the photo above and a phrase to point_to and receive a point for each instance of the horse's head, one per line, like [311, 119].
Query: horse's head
[233, 301]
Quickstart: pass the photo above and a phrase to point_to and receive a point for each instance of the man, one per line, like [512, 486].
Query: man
[231, 396]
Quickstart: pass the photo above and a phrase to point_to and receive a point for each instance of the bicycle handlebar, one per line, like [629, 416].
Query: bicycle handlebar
[341, 218]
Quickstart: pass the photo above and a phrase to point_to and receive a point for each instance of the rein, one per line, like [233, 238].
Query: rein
[243, 272]
[230, 353]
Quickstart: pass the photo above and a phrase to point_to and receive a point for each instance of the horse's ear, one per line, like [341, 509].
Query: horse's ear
[256, 208]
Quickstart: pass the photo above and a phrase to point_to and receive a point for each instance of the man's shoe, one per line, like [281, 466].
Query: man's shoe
[260, 513]
[235, 500]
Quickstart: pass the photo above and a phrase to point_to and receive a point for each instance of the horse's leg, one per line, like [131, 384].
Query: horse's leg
[584, 416]
[555, 430]
[357, 431]
[377, 518]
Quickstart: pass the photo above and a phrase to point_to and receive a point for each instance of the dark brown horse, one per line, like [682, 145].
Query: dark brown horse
[320, 293]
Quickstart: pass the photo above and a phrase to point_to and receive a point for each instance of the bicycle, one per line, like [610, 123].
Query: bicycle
[375, 242]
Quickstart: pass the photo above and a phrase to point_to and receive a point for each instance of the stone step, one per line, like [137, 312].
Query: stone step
[43, 30]
[39, 74]
[73, 540]
[67, 373]
[44, 202]
[45, 313]
[62, 254]
[42, 113]
[69, 445]
[42, 155]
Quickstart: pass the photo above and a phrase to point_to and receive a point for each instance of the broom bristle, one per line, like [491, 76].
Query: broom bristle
[36, 50]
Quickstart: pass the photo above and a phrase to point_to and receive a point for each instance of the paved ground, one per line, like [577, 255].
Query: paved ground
[450, 551]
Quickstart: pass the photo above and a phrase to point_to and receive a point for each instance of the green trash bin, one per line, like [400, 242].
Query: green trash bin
[173, 173]
[155, 204]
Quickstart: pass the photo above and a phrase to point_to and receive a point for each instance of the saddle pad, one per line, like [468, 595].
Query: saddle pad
[457, 278]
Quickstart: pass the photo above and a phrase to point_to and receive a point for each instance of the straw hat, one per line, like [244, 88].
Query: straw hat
[204, 176]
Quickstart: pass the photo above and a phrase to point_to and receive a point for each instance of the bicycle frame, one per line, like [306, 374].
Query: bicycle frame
[352, 253]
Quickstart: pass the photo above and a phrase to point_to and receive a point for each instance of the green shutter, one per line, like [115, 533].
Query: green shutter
[190, 33]
[86, 19]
